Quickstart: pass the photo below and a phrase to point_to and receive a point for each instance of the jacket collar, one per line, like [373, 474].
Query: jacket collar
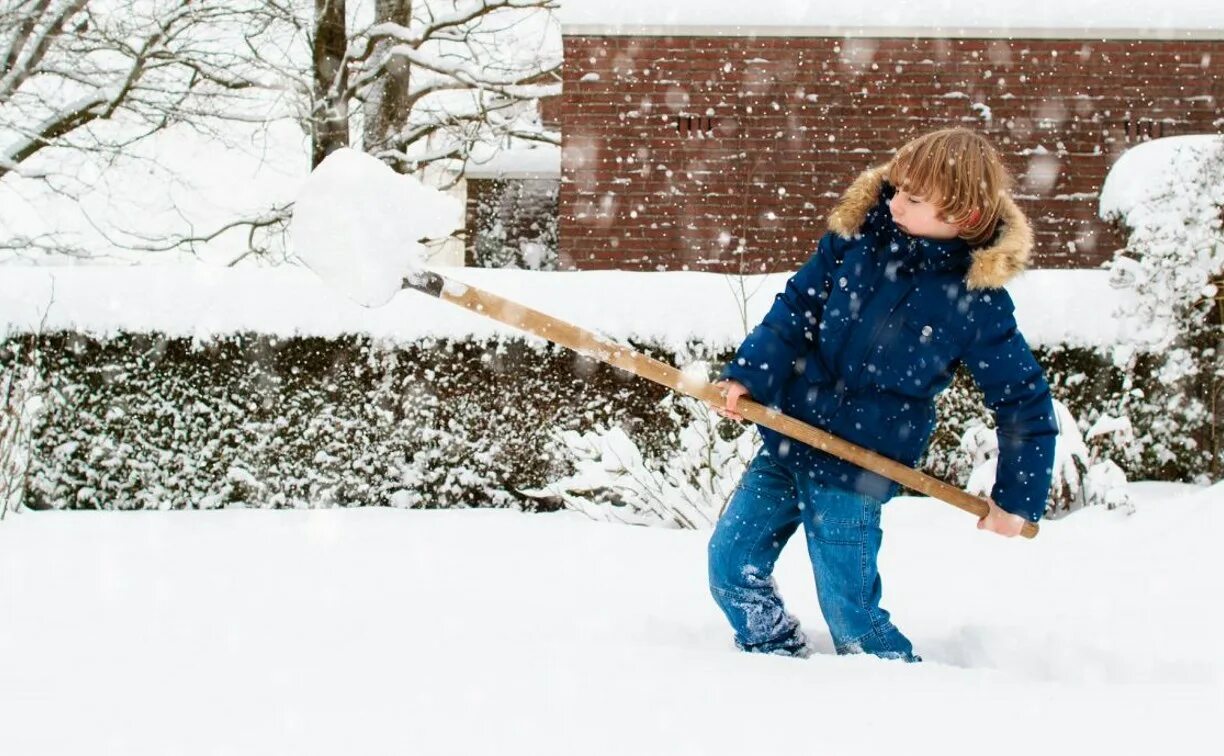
[863, 208]
[912, 253]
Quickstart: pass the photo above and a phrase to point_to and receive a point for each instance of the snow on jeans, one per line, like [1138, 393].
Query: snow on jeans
[843, 539]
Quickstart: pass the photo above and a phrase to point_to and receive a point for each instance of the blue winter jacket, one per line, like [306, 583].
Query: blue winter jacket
[874, 325]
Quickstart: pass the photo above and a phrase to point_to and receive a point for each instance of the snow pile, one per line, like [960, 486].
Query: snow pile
[358, 225]
[668, 309]
[485, 632]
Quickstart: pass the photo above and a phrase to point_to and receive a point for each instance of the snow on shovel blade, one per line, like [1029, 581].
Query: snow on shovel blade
[358, 225]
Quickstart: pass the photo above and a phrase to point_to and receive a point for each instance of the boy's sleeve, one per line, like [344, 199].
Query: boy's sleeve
[767, 356]
[1017, 392]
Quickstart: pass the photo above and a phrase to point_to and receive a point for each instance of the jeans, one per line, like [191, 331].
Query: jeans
[843, 539]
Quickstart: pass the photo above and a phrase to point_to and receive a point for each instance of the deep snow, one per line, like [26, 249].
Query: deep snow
[379, 631]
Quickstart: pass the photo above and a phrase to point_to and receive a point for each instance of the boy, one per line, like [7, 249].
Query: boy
[905, 286]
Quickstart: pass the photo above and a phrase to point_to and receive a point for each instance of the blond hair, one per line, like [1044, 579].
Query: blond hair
[958, 171]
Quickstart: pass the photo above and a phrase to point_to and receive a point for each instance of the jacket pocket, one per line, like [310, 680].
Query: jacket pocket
[921, 358]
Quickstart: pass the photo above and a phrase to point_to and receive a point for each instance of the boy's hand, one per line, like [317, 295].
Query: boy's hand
[999, 520]
[732, 390]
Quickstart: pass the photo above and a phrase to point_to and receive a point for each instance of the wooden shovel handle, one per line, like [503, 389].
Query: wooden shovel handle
[586, 343]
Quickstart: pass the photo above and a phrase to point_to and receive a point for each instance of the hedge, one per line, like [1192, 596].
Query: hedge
[141, 421]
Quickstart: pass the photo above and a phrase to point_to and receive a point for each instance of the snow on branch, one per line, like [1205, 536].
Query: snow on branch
[1169, 195]
[38, 28]
[438, 84]
[65, 120]
[64, 65]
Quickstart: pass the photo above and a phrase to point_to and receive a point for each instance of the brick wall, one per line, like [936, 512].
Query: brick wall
[727, 153]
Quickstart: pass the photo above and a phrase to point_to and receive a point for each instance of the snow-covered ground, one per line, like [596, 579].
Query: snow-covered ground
[376, 631]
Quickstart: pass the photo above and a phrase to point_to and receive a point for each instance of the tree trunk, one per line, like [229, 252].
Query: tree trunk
[386, 105]
[329, 116]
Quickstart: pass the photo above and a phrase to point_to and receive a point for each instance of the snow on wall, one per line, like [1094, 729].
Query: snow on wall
[949, 16]
[542, 161]
[668, 309]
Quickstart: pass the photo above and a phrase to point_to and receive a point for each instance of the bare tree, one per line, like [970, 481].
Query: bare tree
[329, 119]
[66, 66]
[385, 104]
[85, 81]
[422, 83]
[22, 393]
[19, 378]
[439, 77]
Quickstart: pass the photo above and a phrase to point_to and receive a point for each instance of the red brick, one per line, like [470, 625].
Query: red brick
[787, 147]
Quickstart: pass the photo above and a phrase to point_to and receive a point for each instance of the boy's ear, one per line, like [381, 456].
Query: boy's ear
[974, 216]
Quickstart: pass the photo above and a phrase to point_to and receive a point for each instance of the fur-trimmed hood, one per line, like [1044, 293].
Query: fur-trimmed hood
[993, 264]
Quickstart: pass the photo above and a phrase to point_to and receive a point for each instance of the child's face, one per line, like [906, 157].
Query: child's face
[918, 217]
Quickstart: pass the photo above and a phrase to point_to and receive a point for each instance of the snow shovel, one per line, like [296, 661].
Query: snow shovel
[586, 343]
[355, 204]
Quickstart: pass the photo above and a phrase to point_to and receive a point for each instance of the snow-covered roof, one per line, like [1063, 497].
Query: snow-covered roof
[540, 161]
[1098, 19]
[1145, 169]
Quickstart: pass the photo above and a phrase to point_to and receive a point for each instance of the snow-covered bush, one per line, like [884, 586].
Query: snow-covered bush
[1169, 194]
[689, 481]
[688, 488]
[1109, 439]
[21, 401]
[138, 421]
[1083, 474]
[516, 223]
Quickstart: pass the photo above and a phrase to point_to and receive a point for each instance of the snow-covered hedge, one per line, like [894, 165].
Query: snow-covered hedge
[198, 387]
[140, 420]
[146, 421]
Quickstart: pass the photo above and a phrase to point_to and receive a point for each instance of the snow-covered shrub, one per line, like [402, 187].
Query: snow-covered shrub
[688, 488]
[21, 402]
[1083, 475]
[1110, 439]
[1169, 194]
[689, 478]
[1083, 379]
[516, 223]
